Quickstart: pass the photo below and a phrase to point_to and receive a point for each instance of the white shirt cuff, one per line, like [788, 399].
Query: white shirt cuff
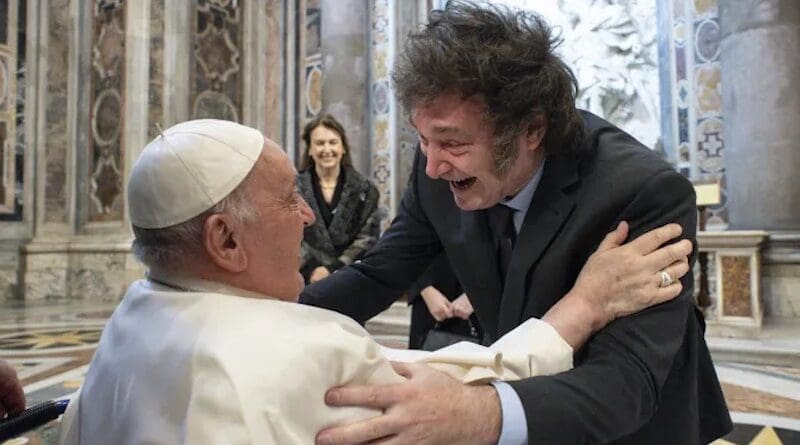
[514, 428]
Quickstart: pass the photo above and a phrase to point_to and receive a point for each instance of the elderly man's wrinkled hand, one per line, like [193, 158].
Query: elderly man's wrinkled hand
[12, 399]
[429, 408]
[621, 279]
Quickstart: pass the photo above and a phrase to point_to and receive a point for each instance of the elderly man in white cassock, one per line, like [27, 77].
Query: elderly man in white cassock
[212, 348]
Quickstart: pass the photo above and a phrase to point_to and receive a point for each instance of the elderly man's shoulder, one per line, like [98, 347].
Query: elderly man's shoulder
[283, 328]
[264, 342]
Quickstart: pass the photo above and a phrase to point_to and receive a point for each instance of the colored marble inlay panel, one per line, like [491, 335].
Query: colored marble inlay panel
[680, 63]
[679, 8]
[707, 40]
[313, 36]
[59, 28]
[736, 286]
[13, 87]
[216, 91]
[679, 33]
[49, 339]
[709, 146]
[6, 198]
[380, 22]
[748, 400]
[683, 126]
[156, 94]
[381, 106]
[313, 91]
[708, 90]
[8, 56]
[705, 7]
[273, 68]
[107, 115]
[719, 213]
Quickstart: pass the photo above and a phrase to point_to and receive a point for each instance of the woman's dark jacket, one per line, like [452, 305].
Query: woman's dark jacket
[354, 221]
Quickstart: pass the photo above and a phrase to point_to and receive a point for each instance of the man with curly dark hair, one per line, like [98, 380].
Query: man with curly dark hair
[518, 187]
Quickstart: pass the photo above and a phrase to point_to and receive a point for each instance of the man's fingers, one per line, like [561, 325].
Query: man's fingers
[667, 293]
[651, 240]
[670, 254]
[365, 431]
[614, 238]
[677, 270]
[448, 311]
[372, 396]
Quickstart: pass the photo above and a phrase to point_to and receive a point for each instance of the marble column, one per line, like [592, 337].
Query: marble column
[760, 72]
[343, 39]
[93, 109]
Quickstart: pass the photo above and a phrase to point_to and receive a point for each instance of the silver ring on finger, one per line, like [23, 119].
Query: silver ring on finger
[666, 278]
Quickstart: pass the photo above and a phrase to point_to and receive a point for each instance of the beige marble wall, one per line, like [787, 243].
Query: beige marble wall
[782, 290]
[156, 93]
[273, 68]
[59, 30]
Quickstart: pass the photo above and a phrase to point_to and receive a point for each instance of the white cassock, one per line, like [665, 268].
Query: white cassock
[203, 363]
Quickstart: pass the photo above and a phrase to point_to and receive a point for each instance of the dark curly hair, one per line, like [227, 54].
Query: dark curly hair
[329, 122]
[504, 56]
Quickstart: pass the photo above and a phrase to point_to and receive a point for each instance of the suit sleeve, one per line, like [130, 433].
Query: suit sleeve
[365, 288]
[616, 384]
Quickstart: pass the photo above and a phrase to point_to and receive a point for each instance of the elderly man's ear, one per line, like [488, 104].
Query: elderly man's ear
[224, 244]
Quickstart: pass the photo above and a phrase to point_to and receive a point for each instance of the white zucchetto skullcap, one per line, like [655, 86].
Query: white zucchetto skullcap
[189, 168]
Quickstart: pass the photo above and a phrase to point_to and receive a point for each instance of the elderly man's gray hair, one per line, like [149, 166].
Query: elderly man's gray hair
[174, 245]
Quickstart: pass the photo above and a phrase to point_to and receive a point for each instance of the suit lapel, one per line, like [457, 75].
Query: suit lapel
[547, 213]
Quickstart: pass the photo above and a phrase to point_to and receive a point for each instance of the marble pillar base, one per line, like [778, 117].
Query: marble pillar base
[781, 277]
[737, 307]
[9, 269]
[77, 270]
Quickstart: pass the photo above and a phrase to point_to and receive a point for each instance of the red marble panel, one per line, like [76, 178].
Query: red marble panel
[736, 286]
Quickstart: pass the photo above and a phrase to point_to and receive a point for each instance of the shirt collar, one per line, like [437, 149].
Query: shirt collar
[190, 284]
[522, 200]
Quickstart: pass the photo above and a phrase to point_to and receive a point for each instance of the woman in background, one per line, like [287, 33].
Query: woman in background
[344, 202]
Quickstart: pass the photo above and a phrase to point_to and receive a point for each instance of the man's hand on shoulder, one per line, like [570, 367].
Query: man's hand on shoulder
[429, 408]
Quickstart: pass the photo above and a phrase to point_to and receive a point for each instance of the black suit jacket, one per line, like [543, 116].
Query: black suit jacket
[644, 379]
